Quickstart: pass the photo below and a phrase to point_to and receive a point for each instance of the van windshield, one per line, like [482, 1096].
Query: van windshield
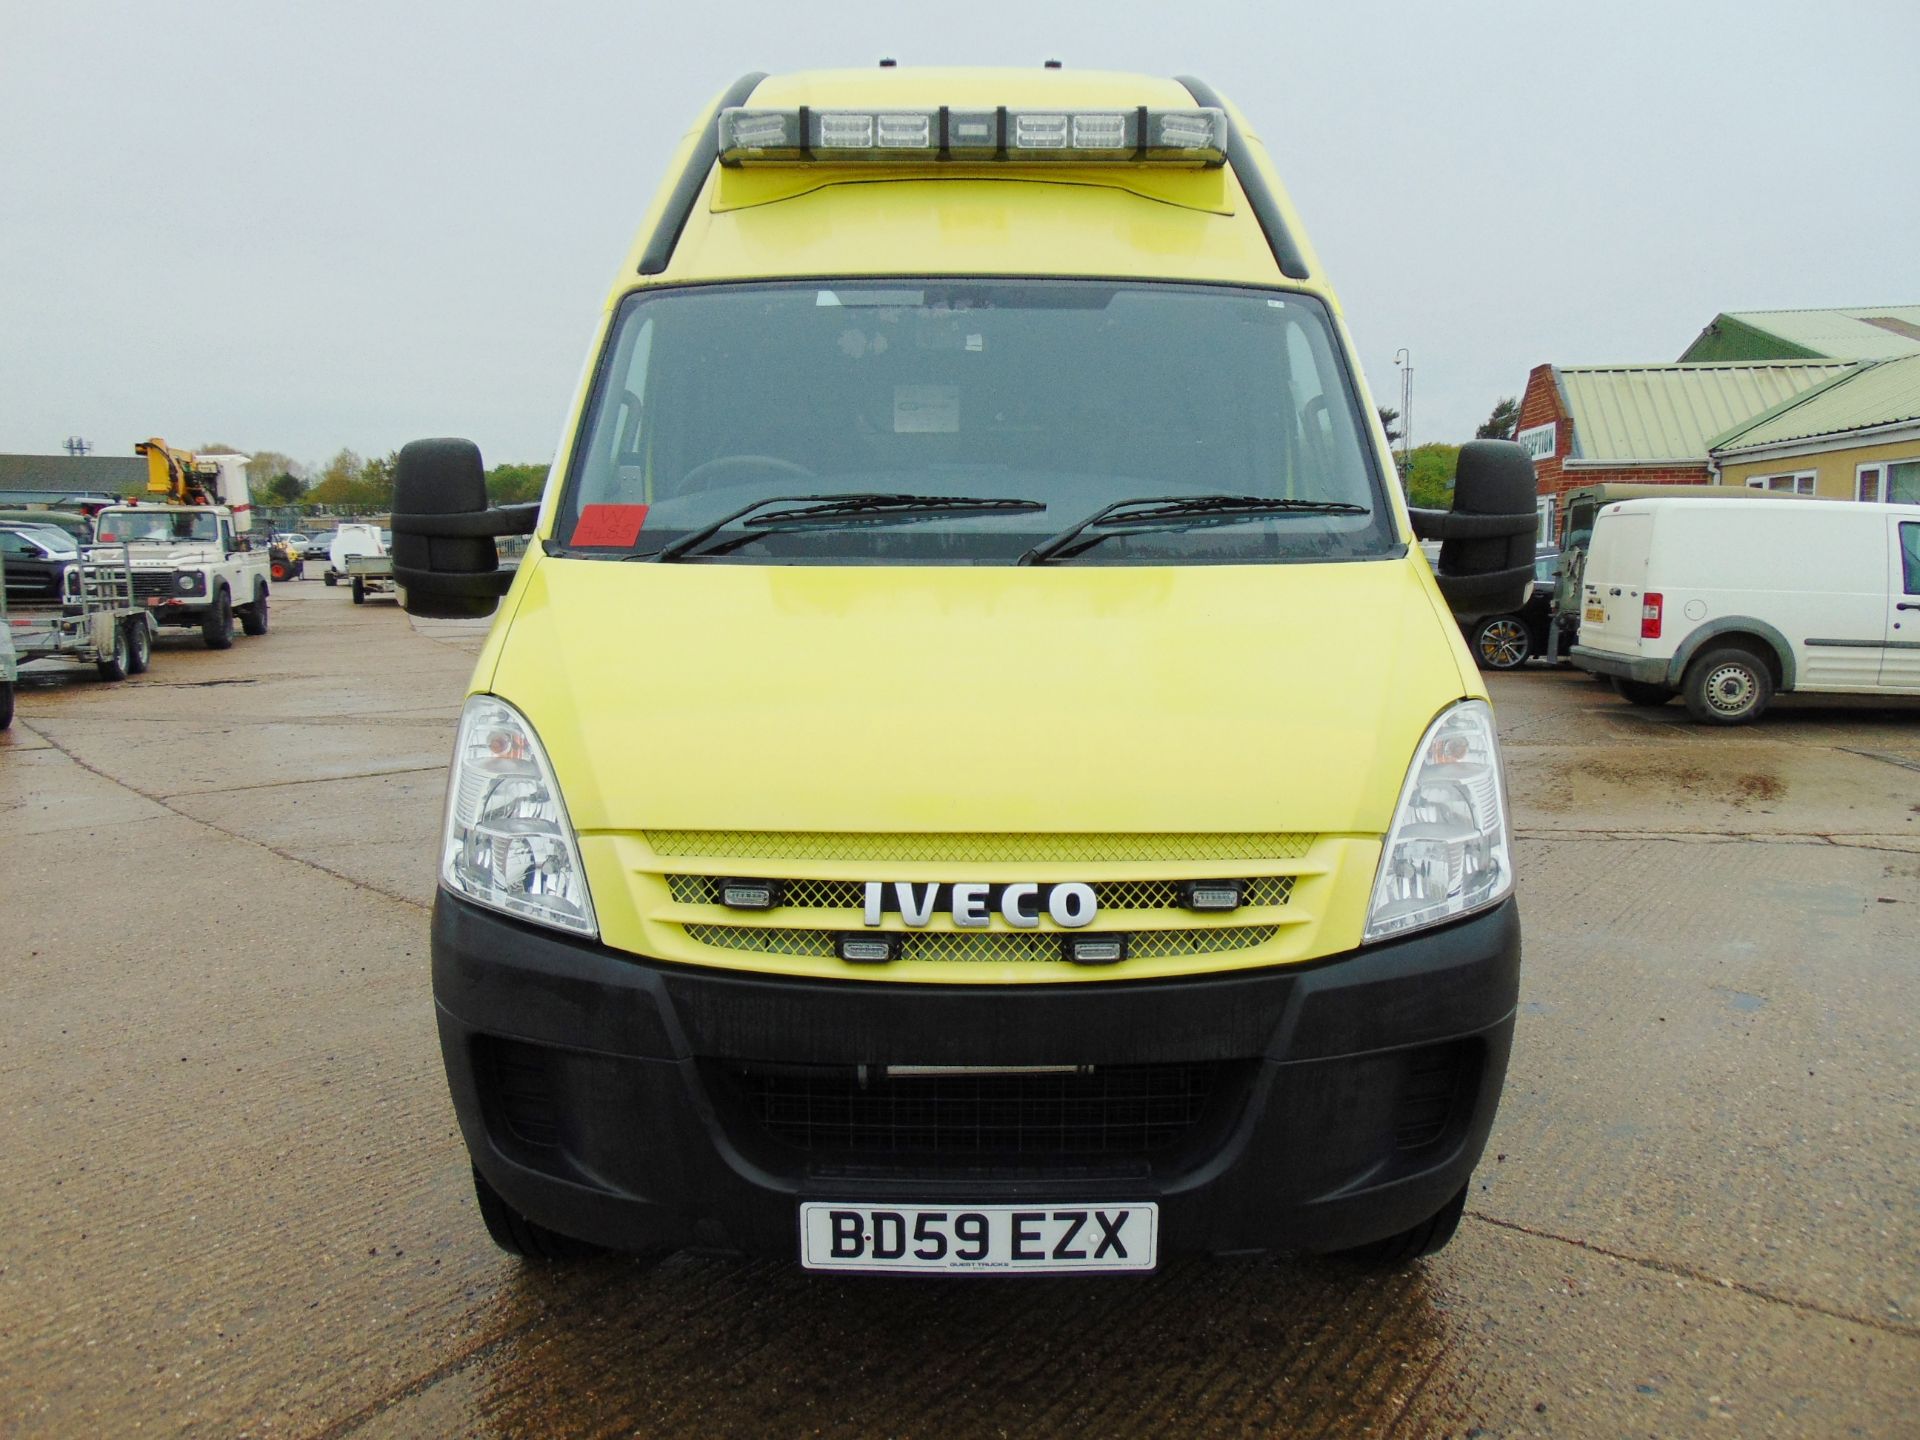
[1070, 394]
[160, 527]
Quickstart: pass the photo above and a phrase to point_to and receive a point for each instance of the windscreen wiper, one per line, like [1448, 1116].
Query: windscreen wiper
[859, 507]
[1175, 512]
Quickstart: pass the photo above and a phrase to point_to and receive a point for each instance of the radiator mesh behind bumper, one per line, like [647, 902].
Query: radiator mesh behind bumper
[1109, 1111]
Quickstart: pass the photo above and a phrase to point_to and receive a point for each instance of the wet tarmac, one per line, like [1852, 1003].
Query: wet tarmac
[237, 1205]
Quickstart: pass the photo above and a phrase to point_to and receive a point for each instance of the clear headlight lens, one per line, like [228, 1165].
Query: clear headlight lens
[509, 843]
[1449, 852]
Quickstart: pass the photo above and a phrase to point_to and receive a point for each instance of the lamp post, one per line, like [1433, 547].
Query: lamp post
[1403, 359]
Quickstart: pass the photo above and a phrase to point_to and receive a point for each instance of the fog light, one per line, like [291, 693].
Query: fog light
[867, 949]
[1210, 894]
[750, 894]
[1095, 949]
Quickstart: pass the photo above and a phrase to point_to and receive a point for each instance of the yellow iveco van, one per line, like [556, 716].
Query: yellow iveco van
[972, 773]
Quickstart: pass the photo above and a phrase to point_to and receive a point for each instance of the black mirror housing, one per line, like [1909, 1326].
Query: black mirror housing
[1487, 539]
[444, 559]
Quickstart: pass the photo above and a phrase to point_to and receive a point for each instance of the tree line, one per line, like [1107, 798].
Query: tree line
[1426, 471]
[363, 484]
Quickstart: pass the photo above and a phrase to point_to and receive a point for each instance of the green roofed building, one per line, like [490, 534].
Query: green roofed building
[1854, 436]
[1645, 424]
[52, 479]
[1869, 332]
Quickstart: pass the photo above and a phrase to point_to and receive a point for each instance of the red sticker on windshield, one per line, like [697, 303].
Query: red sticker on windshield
[609, 525]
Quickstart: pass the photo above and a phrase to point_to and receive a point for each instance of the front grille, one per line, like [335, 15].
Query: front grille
[1110, 894]
[150, 583]
[982, 946]
[975, 848]
[862, 1111]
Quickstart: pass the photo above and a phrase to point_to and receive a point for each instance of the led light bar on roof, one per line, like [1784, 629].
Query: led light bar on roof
[909, 137]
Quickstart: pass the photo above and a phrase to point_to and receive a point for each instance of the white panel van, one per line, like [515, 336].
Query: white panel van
[1728, 603]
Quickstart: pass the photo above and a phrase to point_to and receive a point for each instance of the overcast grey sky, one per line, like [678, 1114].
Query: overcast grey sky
[302, 226]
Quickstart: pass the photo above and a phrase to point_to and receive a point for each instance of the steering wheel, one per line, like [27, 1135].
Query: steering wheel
[733, 462]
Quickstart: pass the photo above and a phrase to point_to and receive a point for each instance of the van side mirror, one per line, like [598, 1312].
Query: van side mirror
[444, 558]
[1487, 539]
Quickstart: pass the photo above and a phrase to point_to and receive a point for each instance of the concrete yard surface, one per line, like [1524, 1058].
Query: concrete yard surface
[237, 1203]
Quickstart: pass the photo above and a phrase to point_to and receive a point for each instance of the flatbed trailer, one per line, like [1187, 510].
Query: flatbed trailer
[369, 574]
[96, 620]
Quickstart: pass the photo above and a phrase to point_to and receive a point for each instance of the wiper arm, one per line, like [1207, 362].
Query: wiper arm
[862, 507]
[1175, 512]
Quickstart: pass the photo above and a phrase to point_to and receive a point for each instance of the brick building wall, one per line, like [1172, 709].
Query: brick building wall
[1540, 406]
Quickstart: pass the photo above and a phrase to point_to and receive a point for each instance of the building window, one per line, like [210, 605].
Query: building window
[1543, 508]
[1866, 484]
[1903, 483]
[1796, 484]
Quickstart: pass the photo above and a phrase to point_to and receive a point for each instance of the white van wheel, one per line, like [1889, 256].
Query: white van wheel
[1728, 687]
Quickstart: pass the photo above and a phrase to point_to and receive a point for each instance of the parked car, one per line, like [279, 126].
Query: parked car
[77, 526]
[40, 560]
[1508, 640]
[316, 546]
[1729, 603]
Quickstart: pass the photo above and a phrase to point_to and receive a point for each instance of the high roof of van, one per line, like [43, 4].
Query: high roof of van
[1769, 502]
[924, 216]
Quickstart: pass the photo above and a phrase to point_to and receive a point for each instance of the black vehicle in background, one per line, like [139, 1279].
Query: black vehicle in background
[40, 561]
[1506, 641]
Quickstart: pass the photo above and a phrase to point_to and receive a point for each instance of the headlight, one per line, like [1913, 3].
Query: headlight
[187, 581]
[509, 843]
[1449, 852]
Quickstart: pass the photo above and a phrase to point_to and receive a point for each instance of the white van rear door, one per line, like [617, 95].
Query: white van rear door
[1616, 574]
[1900, 662]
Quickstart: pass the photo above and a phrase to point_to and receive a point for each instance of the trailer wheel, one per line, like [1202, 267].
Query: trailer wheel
[253, 619]
[216, 626]
[330, 578]
[139, 646]
[114, 665]
[359, 591]
[6, 703]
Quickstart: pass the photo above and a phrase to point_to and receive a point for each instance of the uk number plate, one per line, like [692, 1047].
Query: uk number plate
[1007, 1239]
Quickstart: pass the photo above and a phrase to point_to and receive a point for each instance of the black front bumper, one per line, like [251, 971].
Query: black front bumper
[625, 1101]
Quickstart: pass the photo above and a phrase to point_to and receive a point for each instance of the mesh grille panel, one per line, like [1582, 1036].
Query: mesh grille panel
[1123, 1110]
[824, 845]
[847, 894]
[981, 946]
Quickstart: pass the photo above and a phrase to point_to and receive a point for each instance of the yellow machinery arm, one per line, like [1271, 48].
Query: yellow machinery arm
[180, 475]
